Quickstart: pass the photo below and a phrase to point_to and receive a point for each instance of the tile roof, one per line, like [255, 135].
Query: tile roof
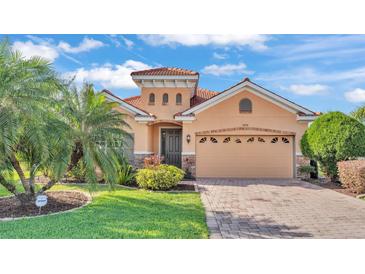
[201, 95]
[165, 71]
[134, 101]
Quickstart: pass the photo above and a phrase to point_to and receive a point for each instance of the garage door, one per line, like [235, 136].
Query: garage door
[244, 156]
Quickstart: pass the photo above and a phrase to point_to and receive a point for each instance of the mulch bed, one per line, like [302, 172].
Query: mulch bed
[179, 187]
[57, 201]
[334, 186]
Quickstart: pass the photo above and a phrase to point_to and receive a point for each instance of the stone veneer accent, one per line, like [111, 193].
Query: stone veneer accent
[301, 161]
[138, 161]
[188, 163]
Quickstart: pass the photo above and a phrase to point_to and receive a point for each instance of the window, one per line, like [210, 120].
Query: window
[151, 99]
[178, 99]
[245, 105]
[238, 141]
[203, 140]
[250, 140]
[261, 140]
[285, 140]
[213, 140]
[274, 140]
[227, 140]
[165, 99]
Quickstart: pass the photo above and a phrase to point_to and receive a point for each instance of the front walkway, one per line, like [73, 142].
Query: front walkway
[279, 209]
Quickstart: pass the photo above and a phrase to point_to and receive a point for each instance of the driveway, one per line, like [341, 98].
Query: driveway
[279, 209]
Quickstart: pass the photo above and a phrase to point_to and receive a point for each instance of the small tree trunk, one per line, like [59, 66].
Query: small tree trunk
[76, 155]
[47, 186]
[9, 187]
[16, 165]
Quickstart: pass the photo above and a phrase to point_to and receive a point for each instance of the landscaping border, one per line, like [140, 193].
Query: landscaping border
[89, 199]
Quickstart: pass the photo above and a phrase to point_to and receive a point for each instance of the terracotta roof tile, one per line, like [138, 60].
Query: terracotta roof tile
[134, 101]
[165, 71]
[201, 95]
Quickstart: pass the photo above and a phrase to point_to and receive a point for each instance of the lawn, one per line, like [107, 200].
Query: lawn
[119, 214]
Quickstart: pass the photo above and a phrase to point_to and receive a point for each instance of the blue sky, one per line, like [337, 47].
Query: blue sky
[321, 72]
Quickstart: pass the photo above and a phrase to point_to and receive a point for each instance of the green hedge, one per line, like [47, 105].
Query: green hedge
[333, 137]
[162, 177]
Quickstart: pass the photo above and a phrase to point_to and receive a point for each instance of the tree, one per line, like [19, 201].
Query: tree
[47, 126]
[27, 91]
[359, 114]
[96, 130]
[333, 137]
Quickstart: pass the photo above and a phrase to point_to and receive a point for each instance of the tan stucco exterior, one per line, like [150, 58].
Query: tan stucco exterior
[221, 119]
[226, 115]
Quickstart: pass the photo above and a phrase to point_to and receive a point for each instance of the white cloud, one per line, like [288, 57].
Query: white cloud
[227, 69]
[86, 44]
[108, 75]
[355, 96]
[29, 49]
[128, 43]
[308, 89]
[219, 56]
[309, 75]
[254, 41]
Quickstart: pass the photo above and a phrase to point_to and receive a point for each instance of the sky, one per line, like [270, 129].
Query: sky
[320, 72]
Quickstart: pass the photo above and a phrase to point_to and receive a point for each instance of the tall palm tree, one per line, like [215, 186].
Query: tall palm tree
[97, 130]
[27, 91]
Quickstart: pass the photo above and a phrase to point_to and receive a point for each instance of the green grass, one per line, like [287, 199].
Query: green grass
[122, 213]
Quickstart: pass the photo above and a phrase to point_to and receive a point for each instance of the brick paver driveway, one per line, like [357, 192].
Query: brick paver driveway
[279, 209]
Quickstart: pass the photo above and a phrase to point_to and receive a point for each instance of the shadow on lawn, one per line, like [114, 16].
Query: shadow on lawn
[120, 215]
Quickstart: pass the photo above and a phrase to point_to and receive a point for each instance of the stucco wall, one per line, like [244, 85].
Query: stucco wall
[166, 111]
[226, 115]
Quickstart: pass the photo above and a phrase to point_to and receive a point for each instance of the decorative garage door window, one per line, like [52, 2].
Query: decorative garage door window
[238, 141]
[274, 140]
[213, 140]
[285, 140]
[250, 140]
[203, 140]
[227, 140]
[261, 140]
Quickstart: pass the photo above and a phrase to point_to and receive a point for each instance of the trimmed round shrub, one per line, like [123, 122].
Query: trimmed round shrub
[162, 177]
[333, 137]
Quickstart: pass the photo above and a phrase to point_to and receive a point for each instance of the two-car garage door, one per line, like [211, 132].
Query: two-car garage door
[244, 156]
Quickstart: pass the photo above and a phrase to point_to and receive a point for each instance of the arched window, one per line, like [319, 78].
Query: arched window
[165, 99]
[151, 99]
[245, 105]
[178, 99]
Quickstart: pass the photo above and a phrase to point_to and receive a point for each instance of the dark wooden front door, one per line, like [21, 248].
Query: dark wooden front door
[171, 146]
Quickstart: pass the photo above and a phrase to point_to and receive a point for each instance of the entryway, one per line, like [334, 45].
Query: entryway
[171, 145]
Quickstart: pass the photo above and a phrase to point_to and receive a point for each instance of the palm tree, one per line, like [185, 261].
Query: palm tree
[359, 114]
[97, 131]
[27, 91]
[47, 126]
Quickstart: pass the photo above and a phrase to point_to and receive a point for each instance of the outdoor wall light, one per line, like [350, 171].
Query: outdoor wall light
[188, 138]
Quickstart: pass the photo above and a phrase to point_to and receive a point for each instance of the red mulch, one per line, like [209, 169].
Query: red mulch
[57, 201]
[334, 186]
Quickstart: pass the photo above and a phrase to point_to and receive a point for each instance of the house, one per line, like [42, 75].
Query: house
[245, 131]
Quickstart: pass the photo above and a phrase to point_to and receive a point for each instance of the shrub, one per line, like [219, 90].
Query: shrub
[352, 175]
[78, 172]
[333, 137]
[126, 174]
[152, 161]
[162, 177]
[306, 170]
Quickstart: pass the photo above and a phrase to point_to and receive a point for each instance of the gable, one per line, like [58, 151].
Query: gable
[248, 86]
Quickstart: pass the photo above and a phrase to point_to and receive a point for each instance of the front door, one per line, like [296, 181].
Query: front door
[171, 146]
